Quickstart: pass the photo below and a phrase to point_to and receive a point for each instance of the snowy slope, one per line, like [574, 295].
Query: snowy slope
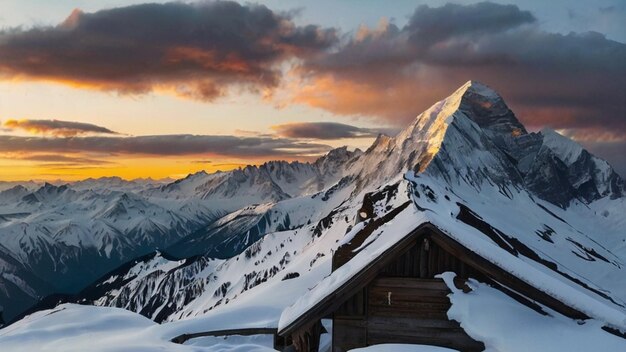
[68, 235]
[68, 238]
[66, 329]
[470, 177]
[553, 214]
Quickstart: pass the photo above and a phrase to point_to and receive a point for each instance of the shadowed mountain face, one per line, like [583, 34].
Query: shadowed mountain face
[552, 167]
[259, 219]
[485, 107]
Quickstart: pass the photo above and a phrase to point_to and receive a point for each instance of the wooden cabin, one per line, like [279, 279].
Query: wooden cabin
[396, 298]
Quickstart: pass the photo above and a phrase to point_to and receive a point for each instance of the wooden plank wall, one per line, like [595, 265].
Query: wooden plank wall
[425, 259]
[417, 313]
[350, 323]
[411, 310]
[354, 307]
[349, 334]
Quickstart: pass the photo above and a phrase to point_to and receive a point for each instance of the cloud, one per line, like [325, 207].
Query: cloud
[166, 145]
[56, 127]
[591, 135]
[327, 130]
[59, 159]
[576, 80]
[430, 25]
[197, 50]
[246, 133]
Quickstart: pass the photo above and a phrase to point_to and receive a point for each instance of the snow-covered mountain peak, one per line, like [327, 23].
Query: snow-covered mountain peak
[475, 87]
[567, 149]
[475, 112]
[590, 176]
[338, 153]
[487, 108]
[335, 160]
[473, 100]
[472, 137]
[381, 142]
[17, 190]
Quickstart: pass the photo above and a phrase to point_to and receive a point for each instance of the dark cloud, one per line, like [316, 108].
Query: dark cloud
[56, 127]
[165, 145]
[430, 25]
[194, 49]
[577, 80]
[430, 33]
[58, 159]
[327, 130]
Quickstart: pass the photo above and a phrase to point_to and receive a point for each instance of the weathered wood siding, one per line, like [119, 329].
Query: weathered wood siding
[354, 307]
[349, 334]
[405, 304]
[411, 310]
[350, 322]
[425, 259]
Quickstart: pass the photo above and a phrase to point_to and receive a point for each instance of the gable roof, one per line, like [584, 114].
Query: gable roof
[469, 243]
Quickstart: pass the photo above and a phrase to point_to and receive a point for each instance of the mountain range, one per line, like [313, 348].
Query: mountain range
[257, 238]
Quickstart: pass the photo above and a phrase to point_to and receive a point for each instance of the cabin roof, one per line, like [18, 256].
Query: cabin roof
[468, 242]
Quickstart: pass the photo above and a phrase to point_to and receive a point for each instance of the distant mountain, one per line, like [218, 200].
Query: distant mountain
[61, 237]
[276, 182]
[466, 160]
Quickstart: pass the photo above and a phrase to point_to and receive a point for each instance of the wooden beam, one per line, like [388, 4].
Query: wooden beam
[504, 278]
[180, 339]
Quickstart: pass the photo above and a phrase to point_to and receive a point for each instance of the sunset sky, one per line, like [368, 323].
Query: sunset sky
[131, 89]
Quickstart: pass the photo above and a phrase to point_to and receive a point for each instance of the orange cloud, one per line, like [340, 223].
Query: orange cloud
[56, 128]
[397, 103]
[197, 50]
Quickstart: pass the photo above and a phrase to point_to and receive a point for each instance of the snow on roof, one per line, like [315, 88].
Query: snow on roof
[394, 231]
[538, 276]
[575, 297]
[502, 324]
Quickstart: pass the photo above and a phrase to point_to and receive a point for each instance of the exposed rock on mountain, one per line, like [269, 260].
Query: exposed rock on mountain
[466, 163]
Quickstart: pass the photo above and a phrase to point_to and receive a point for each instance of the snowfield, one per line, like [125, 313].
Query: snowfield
[77, 328]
